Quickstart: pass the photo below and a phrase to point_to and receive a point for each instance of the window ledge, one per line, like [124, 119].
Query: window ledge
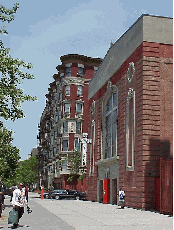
[108, 160]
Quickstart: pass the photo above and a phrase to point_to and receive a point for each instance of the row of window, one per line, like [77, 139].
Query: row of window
[68, 71]
[79, 107]
[67, 128]
[64, 147]
[79, 90]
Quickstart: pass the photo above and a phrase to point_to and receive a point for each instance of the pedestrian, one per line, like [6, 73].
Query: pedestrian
[121, 194]
[12, 190]
[51, 188]
[26, 192]
[18, 202]
[2, 197]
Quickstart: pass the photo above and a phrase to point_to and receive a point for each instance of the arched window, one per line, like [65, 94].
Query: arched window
[109, 122]
[111, 126]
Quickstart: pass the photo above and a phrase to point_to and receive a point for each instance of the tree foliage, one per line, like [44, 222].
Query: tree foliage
[74, 159]
[11, 96]
[9, 155]
[27, 171]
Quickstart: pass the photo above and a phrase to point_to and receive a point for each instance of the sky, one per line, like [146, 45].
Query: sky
[43, 31]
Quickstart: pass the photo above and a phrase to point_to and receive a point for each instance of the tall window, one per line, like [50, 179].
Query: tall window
[67, 90]
[80, 71]
[78, 127]
[77, 144]
[68, 71]
[67, 107]
[64, 165]
[65, 145]
[55, 135]
[91, 158]
[52, 139]
[79, 107]
[130, 129]
[111, 126]
[65, 126]
[79, 90]
[59, 114]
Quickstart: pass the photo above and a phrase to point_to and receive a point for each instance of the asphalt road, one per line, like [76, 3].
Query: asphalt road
[40, 218]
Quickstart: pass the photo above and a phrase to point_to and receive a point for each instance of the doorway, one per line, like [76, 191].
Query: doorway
[101, 191]
[114, 191]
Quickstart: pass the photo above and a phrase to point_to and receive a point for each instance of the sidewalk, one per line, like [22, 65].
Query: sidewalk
[86, 215]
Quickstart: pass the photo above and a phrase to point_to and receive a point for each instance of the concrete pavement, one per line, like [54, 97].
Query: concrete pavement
[39, 219]
[86, 215]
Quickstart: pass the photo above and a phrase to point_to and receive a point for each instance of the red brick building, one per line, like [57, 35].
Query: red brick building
[65, 121]
[131, 118]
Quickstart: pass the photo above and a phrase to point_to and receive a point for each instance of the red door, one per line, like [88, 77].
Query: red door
[157, 193]
[106, 191]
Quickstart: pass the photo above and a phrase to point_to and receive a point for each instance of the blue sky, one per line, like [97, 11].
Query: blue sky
[45, 30]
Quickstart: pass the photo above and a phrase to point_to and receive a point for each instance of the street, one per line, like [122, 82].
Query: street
[86, 215]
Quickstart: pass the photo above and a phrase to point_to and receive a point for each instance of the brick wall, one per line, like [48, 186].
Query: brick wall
[153, 86]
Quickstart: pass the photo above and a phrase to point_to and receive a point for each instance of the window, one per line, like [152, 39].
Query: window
[78, 127]
[67, 90]
[65, 127]
[60, 96]
[55, 135]
[80, 71]
[68, 71]
[130, 129]
[79, 108]
[52, 139]
[79, 90]
[77, 144]
[64, 165]
[91, 158]
[54, 151]
[56, 118]
[67, 107]
[51, 153]
[59, 114]
[65, 145]
[111, 126]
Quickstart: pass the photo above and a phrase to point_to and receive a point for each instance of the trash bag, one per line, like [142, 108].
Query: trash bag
[13, 217]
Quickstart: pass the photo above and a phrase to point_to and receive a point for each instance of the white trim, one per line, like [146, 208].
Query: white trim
[80, 65]
[131, 94]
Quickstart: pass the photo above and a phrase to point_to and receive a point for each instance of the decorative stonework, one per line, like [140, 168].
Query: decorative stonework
[109, 84]
[130, 93]
[73, 80]
[71, 127]
[130, 72]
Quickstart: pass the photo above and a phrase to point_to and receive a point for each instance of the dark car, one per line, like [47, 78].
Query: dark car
[68, 194]
[46, 195]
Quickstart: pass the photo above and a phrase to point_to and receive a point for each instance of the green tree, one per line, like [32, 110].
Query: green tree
[9, 156]
[27, 171]
[74, 159]
[11, 96]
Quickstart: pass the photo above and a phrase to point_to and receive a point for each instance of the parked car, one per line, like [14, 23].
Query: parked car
[69, 193]
[46, 194]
